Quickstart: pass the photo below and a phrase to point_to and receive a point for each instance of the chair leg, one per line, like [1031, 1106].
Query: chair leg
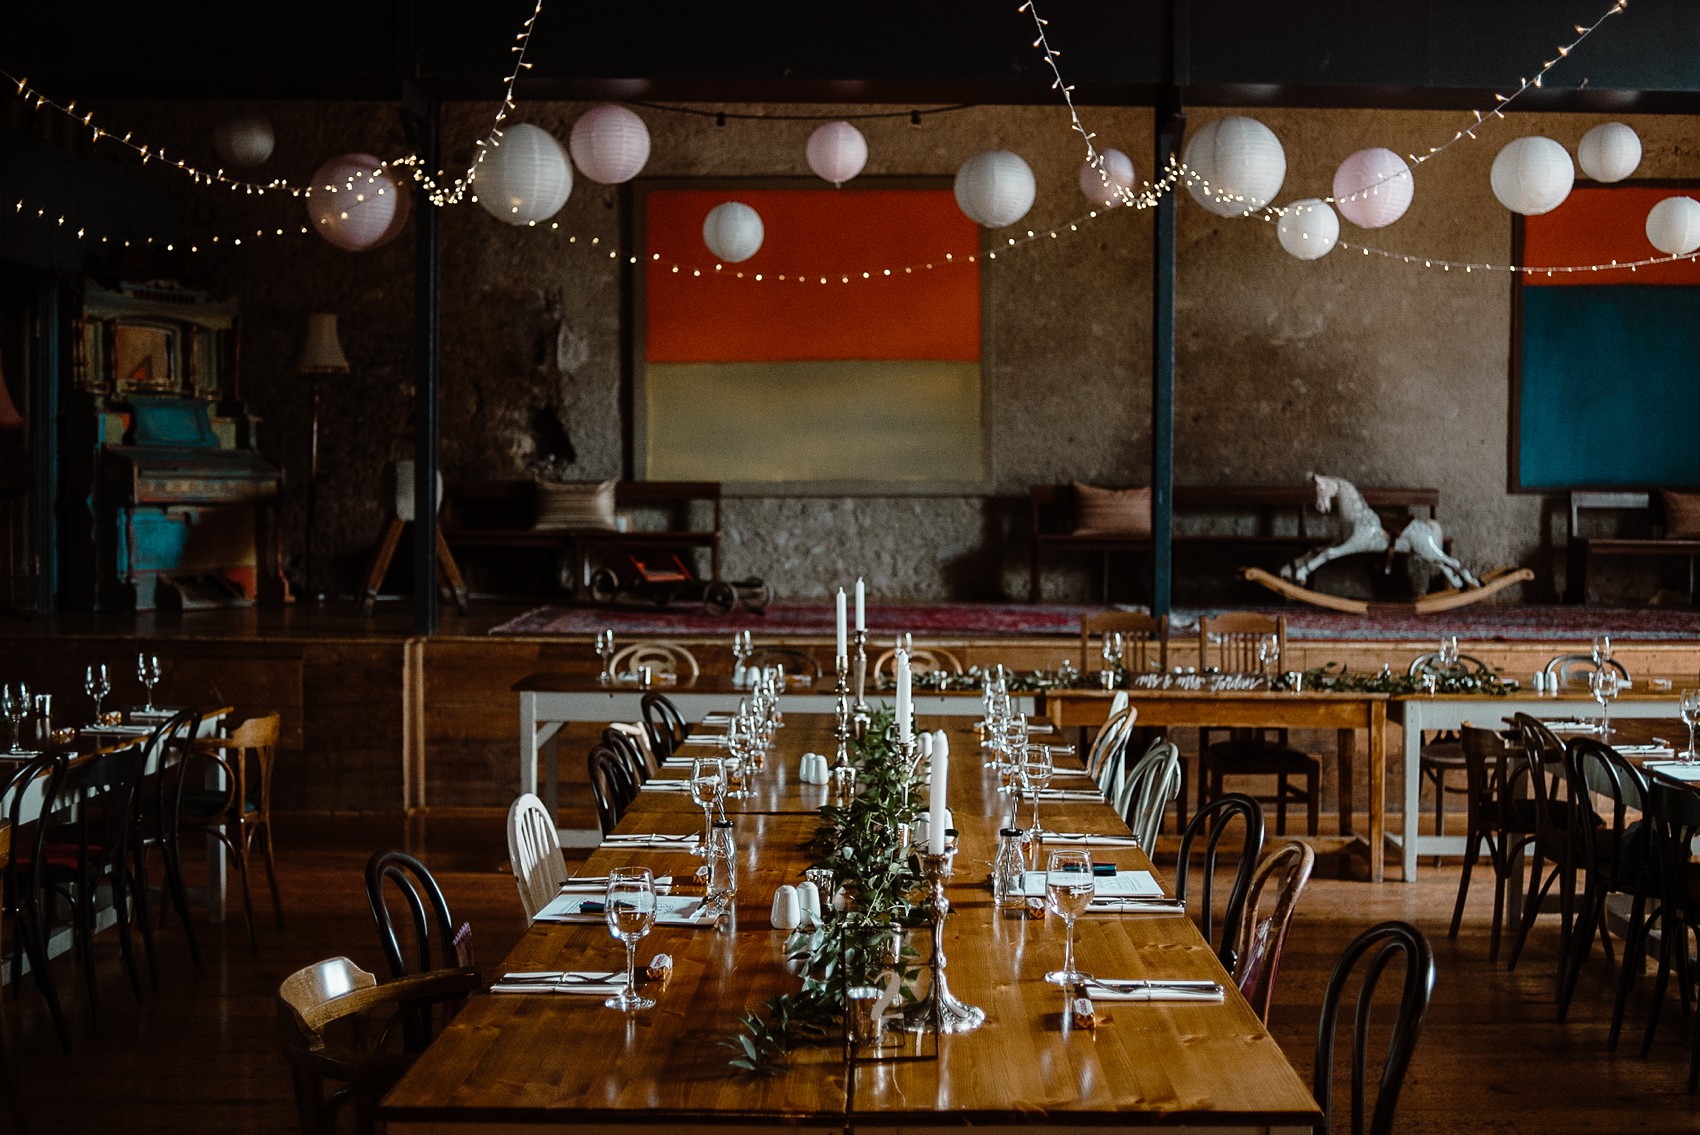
[179, 896]
[1531, 907]
[271, 874]
[1313, 784]
[121, 912]
[1281, 804]
[29, 933]
[1634, 950]
[240, 859]
[1581, 946]
[1669, 937]
[144, 917]
[1472, 852]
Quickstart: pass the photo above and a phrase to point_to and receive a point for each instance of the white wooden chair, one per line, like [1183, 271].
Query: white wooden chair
[923, 660]
[534, 850]
[1100, 756]
[661, 656]
[1146, 788]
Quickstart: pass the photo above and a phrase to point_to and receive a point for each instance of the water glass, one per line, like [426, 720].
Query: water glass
[1068, 890]
[629, 907]
[148, 672]
[1690, 708]
[722, 849]
[15, 703]
[1602, 650]
[97, 684]
[1037, 765]
[708, 789]
[605, 651]
[1268, 654]
[1447, 656]
[1604, 685]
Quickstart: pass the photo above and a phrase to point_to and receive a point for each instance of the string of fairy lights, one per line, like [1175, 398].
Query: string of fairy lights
[443, 191]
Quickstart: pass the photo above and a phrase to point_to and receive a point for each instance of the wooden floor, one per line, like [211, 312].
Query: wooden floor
[199, 1054]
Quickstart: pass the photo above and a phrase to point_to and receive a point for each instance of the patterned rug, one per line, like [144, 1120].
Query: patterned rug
[1498, 623]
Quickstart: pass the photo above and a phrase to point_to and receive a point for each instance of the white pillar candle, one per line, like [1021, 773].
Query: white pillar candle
[936, 821]
[861, 605]
[843, 649]
[905, 710]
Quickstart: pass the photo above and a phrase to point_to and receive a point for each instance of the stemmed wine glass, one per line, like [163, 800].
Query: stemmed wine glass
[1603, 684]
[708, 789]
[1602, 650]
[1111, 650]
[741, 651]
[1447, 655]
[1690, 709]
[1268, 654]
[149, 673]
[1036, 766]
[629, 906]
[15, 702]
[605, 651]
[1068, 888]
[97, 684]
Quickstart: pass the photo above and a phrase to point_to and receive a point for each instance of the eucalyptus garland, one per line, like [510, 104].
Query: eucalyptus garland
[860, 842]
[1462, 678]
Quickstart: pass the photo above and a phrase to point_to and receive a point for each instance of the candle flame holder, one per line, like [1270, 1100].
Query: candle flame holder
[841, 730]
[860, 716]
[940, 1011]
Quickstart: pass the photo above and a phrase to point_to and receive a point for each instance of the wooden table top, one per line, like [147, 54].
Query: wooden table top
[526, 1059]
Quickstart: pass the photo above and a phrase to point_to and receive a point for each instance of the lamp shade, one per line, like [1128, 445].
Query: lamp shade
[1100, 188]
[995, 188]
[609, 144]
[1373, 188]
[244, 141]
[1532, 175]
[837, 152]
[1237, 164]
[733, 231]
[357, 203]
[1673, 225]
[525, 178]
[1609, 152]
[1308, 230]
[321, 351]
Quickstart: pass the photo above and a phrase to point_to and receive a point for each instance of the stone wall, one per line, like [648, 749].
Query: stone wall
[1376, 370]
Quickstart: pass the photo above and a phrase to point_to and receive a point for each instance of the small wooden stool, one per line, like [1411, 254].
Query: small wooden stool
[448, 572]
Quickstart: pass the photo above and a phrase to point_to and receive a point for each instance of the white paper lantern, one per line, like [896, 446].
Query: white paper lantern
[1373, 188]
[1532, 175]
[1308, 229]
[1118, 168]
[1609, 152]
[1238, 166]
[609, 144]
[995, 188]
[837, 152]
[1673, 225]
[356, 205]
[733, 232]
[244, 141]
[525, 179]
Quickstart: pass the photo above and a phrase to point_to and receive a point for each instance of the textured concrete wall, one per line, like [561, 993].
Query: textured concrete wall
[1383, 372]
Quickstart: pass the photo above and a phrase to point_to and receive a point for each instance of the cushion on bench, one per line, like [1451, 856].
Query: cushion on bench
[1682, 514]
[565, 506]
[1111, 512]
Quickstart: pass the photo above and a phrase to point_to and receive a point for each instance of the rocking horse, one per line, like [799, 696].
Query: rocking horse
[1364, 532]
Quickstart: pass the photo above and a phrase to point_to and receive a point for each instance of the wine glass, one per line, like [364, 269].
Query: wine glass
[1268, 654]
[708, 788]
[1603, 684]
[605, 651]
[1068, 888]
[1036, 768]
[15, 703]
[148, 673]
[1602, 650]
[629, 906]
[97, 684]
[1447, 655]
[1690, 708]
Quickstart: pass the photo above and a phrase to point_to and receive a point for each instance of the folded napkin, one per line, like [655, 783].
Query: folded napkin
[651, 839]
[718, 717]
[598, 884]
[1070, 773]
[20, 755]
[1676, 770]
[120, 730]
[1572, 726]
[670, 910]
[1087, 839]
[706, 740]
[1077, 794]
[1124, 885]
[157, 713]
[1645, 750]
[1109, 989]
[595, 983]
[656, 784]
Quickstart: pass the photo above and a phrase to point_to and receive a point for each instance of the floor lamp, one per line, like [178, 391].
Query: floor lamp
[321, 354]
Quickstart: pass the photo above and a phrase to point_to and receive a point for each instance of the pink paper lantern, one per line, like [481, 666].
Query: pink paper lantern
[1118, 170]
[609, 144]
[355, 204]
[837, 152]
[1373, 188]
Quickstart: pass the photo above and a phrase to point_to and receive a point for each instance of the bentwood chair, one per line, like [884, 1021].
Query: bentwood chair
[1229, 642]
[1607, 789]
[661, 656]
[37, 780]
[1145, 639]
[922, 660]
[238, 814]
[1381, 945]
[666, 725]
[1145, 788]
[1103, 756]
[1674, 817]
[1499, 818]
[336, 1027]
[1570, 671]
[1556, 840]
[534, 852]
[1213, 823]
[168, 748]
[627, 746]
[1443, 753]
[611, 785]
[436, 942]
[1259, 938]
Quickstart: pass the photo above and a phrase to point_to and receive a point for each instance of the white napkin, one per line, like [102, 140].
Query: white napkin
[121, 730]
[656, 784]
[1676, 770]
[598, 884]
[1572, 726]
[651, 839]
[1077, 794]
[1121, 885]
[1112, 989]
[595, 983]
[670, 910]
[1645, 750]
[1087, 839]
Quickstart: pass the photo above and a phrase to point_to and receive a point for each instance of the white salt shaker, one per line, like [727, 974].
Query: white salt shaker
[787, 911]
[808, 903]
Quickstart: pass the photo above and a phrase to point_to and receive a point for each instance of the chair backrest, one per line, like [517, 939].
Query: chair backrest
[627, 746]
[1215, 818]
[1673, 814]
[24, 794]
[534, 851]
[1431, 662]
[1228, 642]
[1488, 760]
[797, 661]
[1145, 639]
[437, 942]
[1260, 937]
[611, 784]
[1381, 944]
[170, 752]
[256, 740]
[665, 723]
[1608, 788]
[1104, 757]
[661, 656]
[1147, 788]
[1548, 780]
[306, 995]
[1570, 671]
[102, 789]
[922, 660]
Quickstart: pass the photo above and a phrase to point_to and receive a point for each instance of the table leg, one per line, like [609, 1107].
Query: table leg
[1410, 832]
[1378, 791]
[528, 743]
[1345, 748]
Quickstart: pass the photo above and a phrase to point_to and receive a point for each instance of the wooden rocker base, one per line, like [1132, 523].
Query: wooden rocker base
[1493, 582]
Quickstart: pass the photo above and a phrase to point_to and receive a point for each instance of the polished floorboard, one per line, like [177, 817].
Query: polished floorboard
[199, 1055]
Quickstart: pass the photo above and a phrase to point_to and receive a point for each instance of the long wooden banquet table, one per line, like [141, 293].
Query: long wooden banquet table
[1345, 713]
[523, 1061]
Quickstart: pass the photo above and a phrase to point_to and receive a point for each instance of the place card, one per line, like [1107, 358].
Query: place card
[670, 910]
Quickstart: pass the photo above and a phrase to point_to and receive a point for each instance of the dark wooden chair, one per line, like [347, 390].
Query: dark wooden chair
[1145, 639]
[437, 942]
[1673, 814]
[23, 886]
[626, 745]
[1444, 753]
[666, 725]
[1381, 944]
[1555, 850]
[611, 785]
[1259, 938]
[1213, 822]
[1613, 852]
[1499, 817]
[168, 748]
[1228, 642]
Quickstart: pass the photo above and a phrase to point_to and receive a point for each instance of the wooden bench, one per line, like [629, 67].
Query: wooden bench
[1229, 517]
[1641, 534]
[503, 514]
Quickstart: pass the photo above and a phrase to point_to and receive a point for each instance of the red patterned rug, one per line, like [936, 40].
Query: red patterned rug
[1481, 624]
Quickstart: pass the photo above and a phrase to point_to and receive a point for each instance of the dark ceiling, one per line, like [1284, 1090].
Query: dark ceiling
[1420, 53]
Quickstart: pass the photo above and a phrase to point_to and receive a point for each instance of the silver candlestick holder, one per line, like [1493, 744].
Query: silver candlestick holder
[940, 1011]
[841, 729]
[862, 716]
